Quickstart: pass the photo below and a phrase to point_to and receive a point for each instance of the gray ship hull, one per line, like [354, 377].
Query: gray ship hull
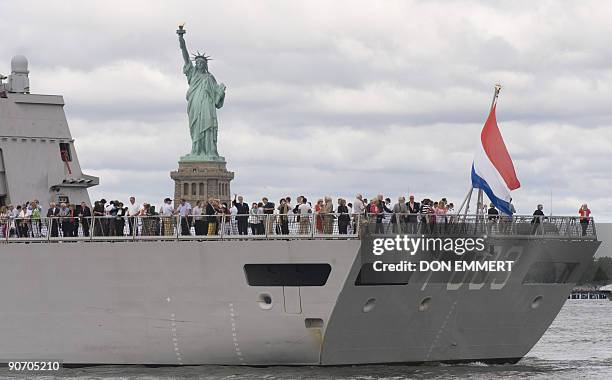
[189, 302]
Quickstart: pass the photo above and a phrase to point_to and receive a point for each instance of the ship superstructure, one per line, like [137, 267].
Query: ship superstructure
[38, 160]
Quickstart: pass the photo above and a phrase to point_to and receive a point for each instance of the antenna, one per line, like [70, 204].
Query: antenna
[551, 203]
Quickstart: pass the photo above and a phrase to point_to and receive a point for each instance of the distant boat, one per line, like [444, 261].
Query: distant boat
[608, 290]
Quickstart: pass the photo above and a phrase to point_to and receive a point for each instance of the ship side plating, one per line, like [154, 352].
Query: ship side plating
[459, 316]
[195, 302]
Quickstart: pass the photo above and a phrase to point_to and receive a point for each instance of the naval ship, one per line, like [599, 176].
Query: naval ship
[298, 299]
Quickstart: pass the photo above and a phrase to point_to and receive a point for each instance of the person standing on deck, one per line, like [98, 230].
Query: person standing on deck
[398, 219]
[233, 212]
[304, 210]
[184, 211]
[283, 211]
[85, 217]
[242, 216]
[538, 217]
[344, 218]
[133, 211]
[359, 209]
[35, 212]
[585, 214]
[53, 214]
[254, 220]
[328, 217]
[166, 212]
[318, 209]
[268, 210]
[414, 208]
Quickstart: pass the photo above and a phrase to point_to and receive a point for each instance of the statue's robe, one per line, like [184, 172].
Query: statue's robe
[203, 98]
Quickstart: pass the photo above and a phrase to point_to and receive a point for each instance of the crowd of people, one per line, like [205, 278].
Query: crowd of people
[213, 217]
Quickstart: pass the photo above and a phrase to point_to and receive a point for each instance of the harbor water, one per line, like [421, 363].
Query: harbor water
[577, 345]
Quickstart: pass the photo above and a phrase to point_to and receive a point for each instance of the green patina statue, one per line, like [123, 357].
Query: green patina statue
[204, 96]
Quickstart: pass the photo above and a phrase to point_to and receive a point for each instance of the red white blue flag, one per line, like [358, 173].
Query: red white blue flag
[492, 169]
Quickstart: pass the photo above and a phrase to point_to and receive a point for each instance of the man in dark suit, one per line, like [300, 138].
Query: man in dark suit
[414, 208]
[538, 217]
[493, 213]
[242, 216]
[85, 217]
[53, 213]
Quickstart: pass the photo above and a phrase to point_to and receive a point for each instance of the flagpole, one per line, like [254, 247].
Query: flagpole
[480, 197]
[466, 202]
[495, 95]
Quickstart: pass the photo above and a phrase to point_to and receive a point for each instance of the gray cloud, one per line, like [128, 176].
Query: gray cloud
[333, 97]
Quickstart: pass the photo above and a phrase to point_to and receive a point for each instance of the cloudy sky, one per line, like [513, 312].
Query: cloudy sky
[333, 97]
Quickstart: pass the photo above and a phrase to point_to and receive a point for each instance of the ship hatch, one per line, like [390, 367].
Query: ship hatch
[287, 274]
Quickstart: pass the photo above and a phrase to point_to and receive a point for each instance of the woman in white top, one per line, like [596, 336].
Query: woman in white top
[440, 212]
[23, 224]
[234, 222]
[261, 215]
[198, 223]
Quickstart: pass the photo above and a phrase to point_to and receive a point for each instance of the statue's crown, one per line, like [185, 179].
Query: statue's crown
[200, 55]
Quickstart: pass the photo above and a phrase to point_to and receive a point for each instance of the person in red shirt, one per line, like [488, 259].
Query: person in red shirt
[373, 212]
[585, 214]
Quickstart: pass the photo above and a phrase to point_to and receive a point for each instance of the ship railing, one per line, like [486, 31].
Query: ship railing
[287, 226]
[490, 225]
[200, 227]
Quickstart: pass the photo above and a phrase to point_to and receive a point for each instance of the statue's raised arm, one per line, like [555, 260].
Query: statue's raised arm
[181, 32]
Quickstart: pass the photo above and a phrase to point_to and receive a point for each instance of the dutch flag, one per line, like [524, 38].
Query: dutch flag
[492, 169]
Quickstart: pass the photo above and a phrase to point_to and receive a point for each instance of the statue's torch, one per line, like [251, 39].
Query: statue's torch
[180, 31]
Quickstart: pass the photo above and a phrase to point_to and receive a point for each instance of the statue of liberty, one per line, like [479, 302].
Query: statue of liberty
[204, 96]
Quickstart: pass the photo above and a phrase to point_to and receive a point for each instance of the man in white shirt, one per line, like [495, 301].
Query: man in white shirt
[304, 210]
[133, 209]
[358, 205]
[358, 210]
[109, 223]
[166, 211]
[110, 207]
[184, 210]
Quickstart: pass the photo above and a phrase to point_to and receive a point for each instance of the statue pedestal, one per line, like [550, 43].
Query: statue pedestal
[201, 158]
[199, 180]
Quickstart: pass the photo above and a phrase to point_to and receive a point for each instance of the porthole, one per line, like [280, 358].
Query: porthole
[425, 304]
[369, 305]
[265, 301]
[536, 302]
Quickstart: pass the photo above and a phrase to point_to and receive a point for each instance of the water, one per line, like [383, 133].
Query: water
[577, 345]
